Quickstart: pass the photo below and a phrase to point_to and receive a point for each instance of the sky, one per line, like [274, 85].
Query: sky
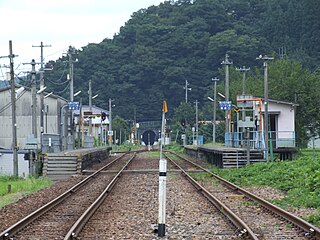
[60, 24]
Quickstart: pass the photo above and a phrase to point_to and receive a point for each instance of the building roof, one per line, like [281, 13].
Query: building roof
[95, 110]
[28, 89]
[283, 102]
[292, 104]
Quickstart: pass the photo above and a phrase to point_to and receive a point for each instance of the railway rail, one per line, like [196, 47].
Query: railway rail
[236, 193]
[130, 209]
[24, 228]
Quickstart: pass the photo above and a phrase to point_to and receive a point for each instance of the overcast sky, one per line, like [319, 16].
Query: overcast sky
[59, 23]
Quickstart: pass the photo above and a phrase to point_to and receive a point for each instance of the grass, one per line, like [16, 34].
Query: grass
[174, 148]
[299, 179]
[20, 187]
[126, 147]
[153, 154]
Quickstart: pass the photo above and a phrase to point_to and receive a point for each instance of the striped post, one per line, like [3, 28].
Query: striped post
[162, 180]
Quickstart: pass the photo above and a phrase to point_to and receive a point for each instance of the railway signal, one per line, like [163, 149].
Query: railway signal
[103, 116]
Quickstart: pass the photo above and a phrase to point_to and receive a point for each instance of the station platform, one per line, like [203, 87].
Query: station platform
[225, 157]
[64, 164]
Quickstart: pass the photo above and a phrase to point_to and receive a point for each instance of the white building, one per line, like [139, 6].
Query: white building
[51, 123]
[281, 121]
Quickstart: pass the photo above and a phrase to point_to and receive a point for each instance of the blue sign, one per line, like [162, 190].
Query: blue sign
[73, 105]
[225, 105]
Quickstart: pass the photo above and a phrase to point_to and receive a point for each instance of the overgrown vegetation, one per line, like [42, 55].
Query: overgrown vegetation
[299, 179]
[20, 187]
[174, 147]
[125, 147]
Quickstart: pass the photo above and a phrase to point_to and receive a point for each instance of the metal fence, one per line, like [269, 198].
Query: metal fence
[278, 139]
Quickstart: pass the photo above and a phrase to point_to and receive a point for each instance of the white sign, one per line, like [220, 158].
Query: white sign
[110, 133]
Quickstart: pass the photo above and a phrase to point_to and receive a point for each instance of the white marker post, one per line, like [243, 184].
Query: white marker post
[162, 180]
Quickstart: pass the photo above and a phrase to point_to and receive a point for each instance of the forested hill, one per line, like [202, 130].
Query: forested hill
[161, 47]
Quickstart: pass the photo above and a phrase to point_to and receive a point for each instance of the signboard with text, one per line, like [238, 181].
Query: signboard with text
[225, 105]
[73, 105]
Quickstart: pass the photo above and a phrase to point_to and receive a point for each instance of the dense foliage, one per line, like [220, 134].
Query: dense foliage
[161, 47]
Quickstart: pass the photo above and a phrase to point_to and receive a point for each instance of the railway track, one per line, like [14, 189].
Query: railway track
[259, 218]
[64, 216]
[130, 210]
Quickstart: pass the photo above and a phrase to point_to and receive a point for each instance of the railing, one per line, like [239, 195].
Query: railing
[279, 139]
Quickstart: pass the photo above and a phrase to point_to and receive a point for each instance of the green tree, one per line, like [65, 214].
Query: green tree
[120, 127]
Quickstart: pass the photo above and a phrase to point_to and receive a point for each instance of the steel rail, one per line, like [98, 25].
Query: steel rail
[12, 230]
[81, 222]
[242, 228]
[309, 229]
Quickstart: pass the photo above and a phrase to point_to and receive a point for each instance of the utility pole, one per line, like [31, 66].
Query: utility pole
[266, 116]
[215, 80]
[41, 92]
[243, 70]
[197, 124]
[90, 108]
[110, 122]
[34, 99]
[14, 118]
[71, 51]
[226, 62]
[187, 89]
